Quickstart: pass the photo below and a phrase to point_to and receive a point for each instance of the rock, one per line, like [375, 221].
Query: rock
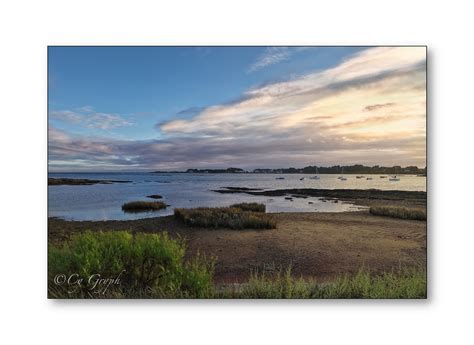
[154, 196]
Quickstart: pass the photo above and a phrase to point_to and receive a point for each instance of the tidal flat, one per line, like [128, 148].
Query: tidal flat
[319, 246]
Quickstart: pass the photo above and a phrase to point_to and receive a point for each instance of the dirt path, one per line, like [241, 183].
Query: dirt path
[319, 245]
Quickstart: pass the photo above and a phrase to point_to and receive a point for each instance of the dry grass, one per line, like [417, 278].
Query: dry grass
[143, 206]
[224, 217]
[405, 283]
[399, 212]
[250, 206]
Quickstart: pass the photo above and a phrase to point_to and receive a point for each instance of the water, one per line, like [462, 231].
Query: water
[104, 201]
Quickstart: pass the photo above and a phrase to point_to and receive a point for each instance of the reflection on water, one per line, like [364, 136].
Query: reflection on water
[104, 201]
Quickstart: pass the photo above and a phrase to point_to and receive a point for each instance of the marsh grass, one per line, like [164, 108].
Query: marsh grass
[224, 217]
[405, 283]
[399, 212]
[143, 206]
[148, 266]
[250, 206]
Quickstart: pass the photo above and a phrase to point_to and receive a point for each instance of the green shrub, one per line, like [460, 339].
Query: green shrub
[143, 206]
[399, 212]
[148, 266]
[250, 206]
[224, 217]
[407, 283]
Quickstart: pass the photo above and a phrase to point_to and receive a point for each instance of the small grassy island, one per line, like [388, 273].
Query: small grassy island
[239, 216]
[143, 206]
[250, 206]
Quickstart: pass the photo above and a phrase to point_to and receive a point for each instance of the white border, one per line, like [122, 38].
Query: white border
[29, 26]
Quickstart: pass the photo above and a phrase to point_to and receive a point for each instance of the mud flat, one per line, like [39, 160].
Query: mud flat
[364, 197]
[317, 245]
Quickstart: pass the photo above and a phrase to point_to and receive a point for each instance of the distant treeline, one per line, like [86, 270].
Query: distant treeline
[337, 169]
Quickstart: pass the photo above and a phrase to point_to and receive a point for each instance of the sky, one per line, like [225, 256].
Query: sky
[174, 108]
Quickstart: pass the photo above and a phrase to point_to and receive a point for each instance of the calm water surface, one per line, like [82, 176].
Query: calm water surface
[104, 201]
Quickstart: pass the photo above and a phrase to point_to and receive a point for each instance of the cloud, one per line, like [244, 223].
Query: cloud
[85, 109]
[347, 103]
[377, 106]
[87, 117]
[369, 109]
[378, 73]
[87, 153]
[271, 56]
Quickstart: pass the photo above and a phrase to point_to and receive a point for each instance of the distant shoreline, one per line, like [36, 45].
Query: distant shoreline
[220, 173]
[314, 170]
[253, 173]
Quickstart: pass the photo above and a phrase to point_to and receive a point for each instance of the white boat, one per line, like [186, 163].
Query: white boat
[342, 178]
[316, 177]
[394, 178]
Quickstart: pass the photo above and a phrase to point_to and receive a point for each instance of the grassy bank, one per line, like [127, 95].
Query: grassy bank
[399, 212]
[143, 206]
[225, 217]
[122, 265]
[407, 283]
